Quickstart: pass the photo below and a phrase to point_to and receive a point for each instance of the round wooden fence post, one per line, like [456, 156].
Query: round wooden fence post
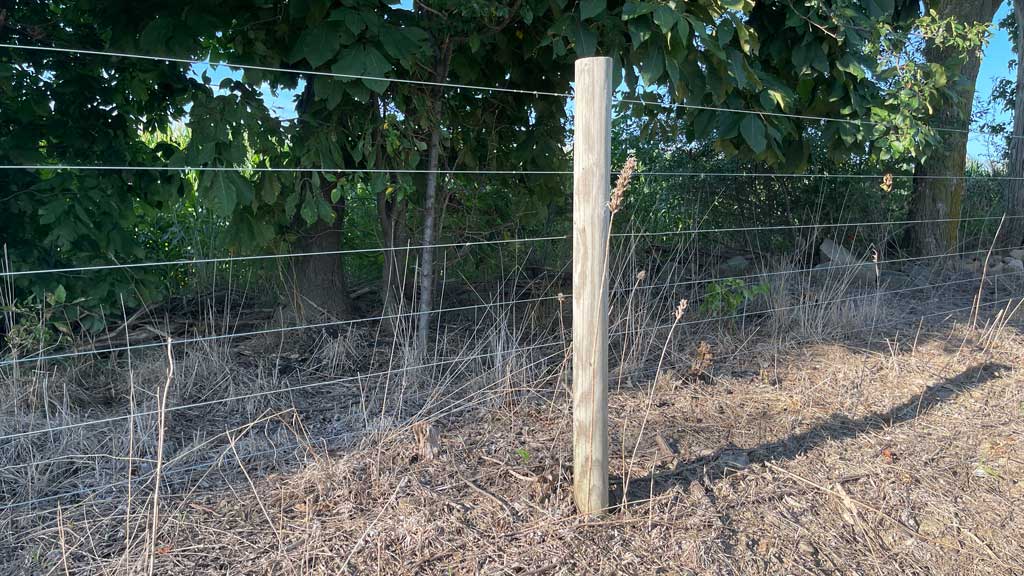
[590, 221]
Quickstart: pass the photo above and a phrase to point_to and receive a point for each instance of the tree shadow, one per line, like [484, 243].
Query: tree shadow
[730, 459]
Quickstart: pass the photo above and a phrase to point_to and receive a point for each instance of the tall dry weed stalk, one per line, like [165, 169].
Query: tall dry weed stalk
[678, 316]
[161, 420]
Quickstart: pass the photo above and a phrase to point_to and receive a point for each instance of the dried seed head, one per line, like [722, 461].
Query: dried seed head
[622, 183]
[886, 182]
[681, 308]
[641, 275]
[561, 298]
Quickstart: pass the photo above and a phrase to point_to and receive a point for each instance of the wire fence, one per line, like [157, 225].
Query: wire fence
[510, 345]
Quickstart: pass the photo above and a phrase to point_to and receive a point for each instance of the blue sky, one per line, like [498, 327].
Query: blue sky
[994, 65]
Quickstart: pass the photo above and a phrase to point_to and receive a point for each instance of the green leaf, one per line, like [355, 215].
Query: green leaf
[324, 211]
[270, 187]
[60, 294]
[527, 15]
[318, 44]
[635, 9]
[375, 64]
[219, 190]
[725, 32]
[653, 65]
[779, 98]
[335, 194]
[733, 4]
[309, 211]
[591, 8]
[848, 65]
[350, 63]
[665, 18]
[703, 123]
[290, 203]
[753, 133]
[586, 41]
[404, 44]
[352, 19]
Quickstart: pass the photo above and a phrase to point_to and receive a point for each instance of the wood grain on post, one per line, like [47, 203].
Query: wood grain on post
[590, 221]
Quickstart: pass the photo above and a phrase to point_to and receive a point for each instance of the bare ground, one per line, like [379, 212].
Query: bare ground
[793, 447]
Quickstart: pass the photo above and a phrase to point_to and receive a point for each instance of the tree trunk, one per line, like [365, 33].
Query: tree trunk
[319, 281]
[940, 198]
[427, 273]
[391, 213]
[426, 296]
[1013, 228]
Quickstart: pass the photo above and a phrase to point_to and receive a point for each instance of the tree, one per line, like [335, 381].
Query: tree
[938, 183]
[358, 120]
[64, 109]
[1013, 228]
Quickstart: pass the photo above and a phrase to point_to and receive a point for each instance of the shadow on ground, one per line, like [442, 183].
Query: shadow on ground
[729, 459]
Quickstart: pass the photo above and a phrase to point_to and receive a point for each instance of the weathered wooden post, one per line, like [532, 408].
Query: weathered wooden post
[590, 221]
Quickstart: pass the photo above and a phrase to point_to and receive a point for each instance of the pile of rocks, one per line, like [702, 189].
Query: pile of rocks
[998, 265]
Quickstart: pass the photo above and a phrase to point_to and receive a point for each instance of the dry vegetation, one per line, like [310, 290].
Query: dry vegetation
[845, 432]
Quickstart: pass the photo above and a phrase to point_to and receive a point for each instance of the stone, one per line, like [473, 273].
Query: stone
[860, 273]
[1015, 265]
[836, 253]
[1018, 254]
[734, 266]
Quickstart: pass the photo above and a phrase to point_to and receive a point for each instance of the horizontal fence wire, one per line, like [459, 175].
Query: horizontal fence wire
[510, 172]
[612, 373]
[265, 393]
[811, 117]
[830, 268]
[355, 170]
[343, 252]
[381, 249]
[207, 62]
[812, 226]
[826, 175]
[170, 469]
[280, 330]
[876, 294]
[449, 85]
[337, 323]
[830, 337]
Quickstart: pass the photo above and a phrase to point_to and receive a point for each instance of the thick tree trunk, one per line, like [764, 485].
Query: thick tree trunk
[1013, 228]
[940, 198]
[319, 281]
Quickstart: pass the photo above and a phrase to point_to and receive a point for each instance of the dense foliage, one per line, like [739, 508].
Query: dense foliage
[853, 59]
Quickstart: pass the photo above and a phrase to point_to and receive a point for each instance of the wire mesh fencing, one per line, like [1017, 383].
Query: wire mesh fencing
[711, 272]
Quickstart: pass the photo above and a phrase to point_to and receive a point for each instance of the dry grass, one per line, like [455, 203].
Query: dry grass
[824, 438]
